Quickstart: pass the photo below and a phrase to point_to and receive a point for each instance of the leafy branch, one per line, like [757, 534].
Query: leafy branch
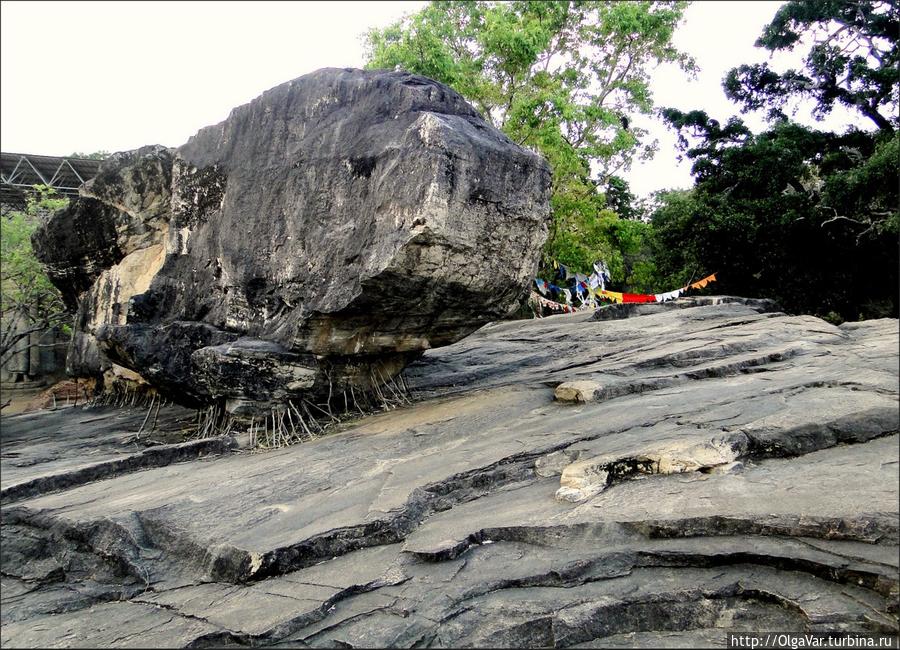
[29, 303]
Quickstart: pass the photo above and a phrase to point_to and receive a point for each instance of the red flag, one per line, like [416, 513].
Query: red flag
[638, 297]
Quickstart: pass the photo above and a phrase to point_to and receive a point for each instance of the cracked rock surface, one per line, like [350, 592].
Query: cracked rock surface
[322, 237]
[735, 469]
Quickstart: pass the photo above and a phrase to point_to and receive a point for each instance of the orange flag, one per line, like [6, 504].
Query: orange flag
[699, 284]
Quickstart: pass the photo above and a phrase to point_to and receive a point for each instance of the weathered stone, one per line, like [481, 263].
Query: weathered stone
[588, 477]
[344, 222]
[577, 391]
[436, 525]
[580, 481]
[107, 246]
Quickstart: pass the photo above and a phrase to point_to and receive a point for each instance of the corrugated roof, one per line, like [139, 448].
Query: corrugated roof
[19, 172]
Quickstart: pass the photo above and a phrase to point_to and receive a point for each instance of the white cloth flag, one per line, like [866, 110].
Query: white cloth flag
[603, 271]
[669, 295]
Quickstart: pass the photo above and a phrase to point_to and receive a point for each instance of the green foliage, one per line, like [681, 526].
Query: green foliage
[675, 255]
[620, 199]
[867, 190]
[28, 301]
[853, 60]
[631, 262]
[560, 77]
[19, 265]
[625, 246]
[806, 217]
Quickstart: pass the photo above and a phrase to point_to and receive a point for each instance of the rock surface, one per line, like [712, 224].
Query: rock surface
[324, 235]
[738, 472]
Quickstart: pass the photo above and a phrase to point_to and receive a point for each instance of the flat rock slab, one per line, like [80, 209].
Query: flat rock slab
[53, 450]
[737, 471]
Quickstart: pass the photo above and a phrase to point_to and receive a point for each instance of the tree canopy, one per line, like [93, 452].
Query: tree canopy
[803, 216]
[852, 60]
[29, 303]
[564, 78]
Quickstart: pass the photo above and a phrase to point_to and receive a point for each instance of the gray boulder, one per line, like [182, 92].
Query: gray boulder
[324, 235]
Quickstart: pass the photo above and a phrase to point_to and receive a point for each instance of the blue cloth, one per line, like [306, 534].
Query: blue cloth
[542, 286]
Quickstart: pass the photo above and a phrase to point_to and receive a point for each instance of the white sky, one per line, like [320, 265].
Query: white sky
[720, 36]
[89, 76]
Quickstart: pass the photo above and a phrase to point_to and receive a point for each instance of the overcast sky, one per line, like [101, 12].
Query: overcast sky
[89, 76]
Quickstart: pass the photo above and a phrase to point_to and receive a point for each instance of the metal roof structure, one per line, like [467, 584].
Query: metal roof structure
[20, 172]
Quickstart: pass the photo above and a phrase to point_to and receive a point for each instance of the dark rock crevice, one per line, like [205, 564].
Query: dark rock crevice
[152, 457]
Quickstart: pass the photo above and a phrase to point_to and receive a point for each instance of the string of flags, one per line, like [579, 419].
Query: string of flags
[577, 286]
[585, 289]
[551, 305]
[616, 296]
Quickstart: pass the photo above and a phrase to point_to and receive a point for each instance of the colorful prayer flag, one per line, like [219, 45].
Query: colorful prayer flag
[669, 295]
[638, 297]
[699, 284]
[615, 296]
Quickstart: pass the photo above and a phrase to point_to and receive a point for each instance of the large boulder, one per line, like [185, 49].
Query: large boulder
[322, 237]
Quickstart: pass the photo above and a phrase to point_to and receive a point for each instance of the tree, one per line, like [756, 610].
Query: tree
[865, 194]
[29, 303]
[852, 61]
[563, 78]
[620, 199]
[806, 217]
